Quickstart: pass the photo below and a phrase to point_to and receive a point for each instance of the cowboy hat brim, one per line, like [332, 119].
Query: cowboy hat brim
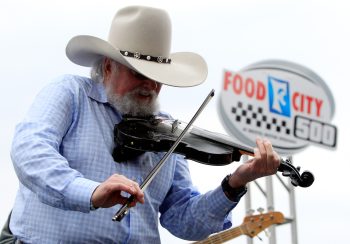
[186, 68]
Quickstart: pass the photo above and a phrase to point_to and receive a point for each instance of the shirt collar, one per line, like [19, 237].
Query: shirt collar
[97, 92]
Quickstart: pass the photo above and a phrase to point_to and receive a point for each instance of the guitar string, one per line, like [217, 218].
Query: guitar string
[226, 235]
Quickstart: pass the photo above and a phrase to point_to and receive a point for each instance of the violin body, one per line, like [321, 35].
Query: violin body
[135, 135]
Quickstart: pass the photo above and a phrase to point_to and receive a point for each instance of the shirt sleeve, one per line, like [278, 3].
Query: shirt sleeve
[190, 215]
[36, 154]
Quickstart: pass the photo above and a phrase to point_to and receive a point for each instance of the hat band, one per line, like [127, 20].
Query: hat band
[137, 55]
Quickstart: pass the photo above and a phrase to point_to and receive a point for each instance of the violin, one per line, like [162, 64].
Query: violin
[136, 135]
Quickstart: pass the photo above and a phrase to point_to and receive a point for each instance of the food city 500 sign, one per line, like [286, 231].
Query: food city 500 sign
[279, 100]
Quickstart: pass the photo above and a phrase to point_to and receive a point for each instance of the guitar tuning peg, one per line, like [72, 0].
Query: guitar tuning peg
[260, 210]
[267, 233]
[270, 208]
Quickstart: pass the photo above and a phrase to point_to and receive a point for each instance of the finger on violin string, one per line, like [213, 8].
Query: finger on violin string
[272, 157]
[261, 146]
[257, 154]
[268, 145]
[269, 151]
[276, 160]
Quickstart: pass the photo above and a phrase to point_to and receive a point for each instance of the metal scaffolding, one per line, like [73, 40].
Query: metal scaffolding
[269, 195]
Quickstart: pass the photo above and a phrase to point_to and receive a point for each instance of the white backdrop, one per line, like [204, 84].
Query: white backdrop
[229, 35]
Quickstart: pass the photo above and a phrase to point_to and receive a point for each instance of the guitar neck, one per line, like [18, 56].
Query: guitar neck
[222, 236]
[252, 225]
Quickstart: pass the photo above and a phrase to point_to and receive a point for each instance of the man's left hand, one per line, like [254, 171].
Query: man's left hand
[265, 162]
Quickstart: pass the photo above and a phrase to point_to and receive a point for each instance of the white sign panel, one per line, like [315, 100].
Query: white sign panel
[282, 101]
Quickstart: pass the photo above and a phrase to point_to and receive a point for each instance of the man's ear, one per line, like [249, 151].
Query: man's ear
[107, 67]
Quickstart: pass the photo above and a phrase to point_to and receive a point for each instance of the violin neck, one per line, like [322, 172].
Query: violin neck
[224, 139]
[249, 153]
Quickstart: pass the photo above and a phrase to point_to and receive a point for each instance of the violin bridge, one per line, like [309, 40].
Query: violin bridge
[174, 126]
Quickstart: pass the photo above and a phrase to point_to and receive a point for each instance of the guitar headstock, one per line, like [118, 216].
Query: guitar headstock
[254, 224]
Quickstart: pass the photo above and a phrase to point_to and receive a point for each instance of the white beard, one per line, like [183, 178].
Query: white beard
[128, 105]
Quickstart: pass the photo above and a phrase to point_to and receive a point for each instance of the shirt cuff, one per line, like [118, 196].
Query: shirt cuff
[78, 194]
[220, 205]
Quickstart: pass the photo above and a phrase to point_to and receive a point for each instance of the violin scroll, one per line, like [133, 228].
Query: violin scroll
[304, 180]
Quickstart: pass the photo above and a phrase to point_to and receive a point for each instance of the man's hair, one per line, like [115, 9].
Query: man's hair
[96, 72]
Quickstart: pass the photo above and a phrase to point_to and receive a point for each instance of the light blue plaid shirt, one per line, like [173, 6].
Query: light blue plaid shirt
[62, 151]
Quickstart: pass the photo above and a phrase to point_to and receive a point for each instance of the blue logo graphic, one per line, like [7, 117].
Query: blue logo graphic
[279, 100]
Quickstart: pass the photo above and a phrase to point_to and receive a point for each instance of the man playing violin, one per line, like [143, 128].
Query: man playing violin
[70, 185]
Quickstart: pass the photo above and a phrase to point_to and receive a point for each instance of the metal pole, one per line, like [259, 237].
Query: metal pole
[247, 201]
[293, 211]
[270, 207]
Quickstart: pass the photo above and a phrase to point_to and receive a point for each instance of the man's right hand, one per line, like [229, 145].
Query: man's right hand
[109, 192]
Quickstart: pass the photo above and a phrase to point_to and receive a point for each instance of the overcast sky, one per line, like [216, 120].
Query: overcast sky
[229, 35]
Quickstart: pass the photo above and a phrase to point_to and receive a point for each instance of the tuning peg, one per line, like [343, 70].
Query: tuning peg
[298, 168]
[267, 233]
[250, 211]
[260, 210]
[294, 182]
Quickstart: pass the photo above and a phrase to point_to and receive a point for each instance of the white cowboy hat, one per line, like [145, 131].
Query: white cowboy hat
[140, 38]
